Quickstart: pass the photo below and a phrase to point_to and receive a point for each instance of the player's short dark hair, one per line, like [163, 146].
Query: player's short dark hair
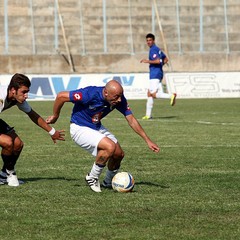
[150, 35]
[19, 80]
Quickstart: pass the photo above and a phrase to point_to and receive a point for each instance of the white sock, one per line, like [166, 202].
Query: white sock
[149, 106]
[96, 170]
[163, 95]
[109, 176]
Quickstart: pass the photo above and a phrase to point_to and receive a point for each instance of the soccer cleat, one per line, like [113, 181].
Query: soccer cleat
[3, 178]
[106, 185]
[12, 179]
[173, 99]
[2, 182]
[93, 183]
[146, 118]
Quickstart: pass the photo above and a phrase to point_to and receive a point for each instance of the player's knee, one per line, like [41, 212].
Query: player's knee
[18, 145]
[7, 143]
[110, 148]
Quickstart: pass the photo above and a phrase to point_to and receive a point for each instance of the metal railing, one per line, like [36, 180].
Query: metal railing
[187, 33]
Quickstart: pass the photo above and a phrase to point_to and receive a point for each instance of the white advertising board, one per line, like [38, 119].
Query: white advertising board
[46, 87]
[186, 85]
[204, 85]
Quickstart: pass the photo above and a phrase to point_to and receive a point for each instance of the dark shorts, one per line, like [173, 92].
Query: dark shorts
[4, 127]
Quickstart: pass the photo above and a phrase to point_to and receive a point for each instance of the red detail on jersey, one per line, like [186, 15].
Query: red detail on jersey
[154, 55]
[128, 108]
[77, 96]
[96, 117]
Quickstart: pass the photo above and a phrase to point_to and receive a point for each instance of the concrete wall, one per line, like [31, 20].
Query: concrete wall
[31, 36]
[54, 64]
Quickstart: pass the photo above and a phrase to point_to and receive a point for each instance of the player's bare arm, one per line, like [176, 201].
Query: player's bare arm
[165, 60]
[38, 120]
[155, 61]
[61, 98]
[135, 125]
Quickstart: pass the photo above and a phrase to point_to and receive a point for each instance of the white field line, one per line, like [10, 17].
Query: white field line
[188, 146]
[213, 123]
[176, 121]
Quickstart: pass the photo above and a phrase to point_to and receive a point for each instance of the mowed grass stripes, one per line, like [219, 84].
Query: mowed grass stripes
[190, 190]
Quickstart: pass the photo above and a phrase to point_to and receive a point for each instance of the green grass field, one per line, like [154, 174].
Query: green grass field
[190, 190]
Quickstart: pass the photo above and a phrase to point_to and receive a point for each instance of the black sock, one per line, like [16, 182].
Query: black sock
[8, 162]
[13, 161]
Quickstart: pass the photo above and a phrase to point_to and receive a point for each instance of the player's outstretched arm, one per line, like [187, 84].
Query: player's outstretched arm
[135, 125]
[61, 98]
[38, 120]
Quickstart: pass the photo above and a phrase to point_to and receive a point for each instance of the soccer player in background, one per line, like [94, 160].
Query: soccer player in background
[91, 104]
[16, 93]
[157, 59]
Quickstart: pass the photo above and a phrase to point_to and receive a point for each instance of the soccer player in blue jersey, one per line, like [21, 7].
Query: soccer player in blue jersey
[91, 104]
[157, 59]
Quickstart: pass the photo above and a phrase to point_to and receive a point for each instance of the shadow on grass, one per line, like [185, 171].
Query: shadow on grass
[47, 178]
[166, 117]
[26, 180]
[152, 184]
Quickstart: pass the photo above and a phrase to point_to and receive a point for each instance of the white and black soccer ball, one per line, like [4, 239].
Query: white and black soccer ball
[123, 182]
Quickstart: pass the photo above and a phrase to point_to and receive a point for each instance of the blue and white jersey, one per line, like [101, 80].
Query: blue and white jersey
[5, 104]
[90, 106]
[156, 71]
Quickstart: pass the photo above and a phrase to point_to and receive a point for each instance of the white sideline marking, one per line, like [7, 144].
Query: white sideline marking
[175, 121]
[183, 146]
[213, 123]
[201, 146]
[219, 171]
[202, 122]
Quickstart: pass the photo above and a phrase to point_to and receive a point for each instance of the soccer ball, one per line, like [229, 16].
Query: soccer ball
[123, 182]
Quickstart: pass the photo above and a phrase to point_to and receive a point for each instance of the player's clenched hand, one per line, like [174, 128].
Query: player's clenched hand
[154, 147]
[51, 119]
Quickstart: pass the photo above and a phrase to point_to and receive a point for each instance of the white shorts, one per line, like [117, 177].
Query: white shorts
[88, 138]
[155, 85]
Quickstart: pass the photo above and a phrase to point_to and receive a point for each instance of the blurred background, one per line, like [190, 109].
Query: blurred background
[103, 36]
